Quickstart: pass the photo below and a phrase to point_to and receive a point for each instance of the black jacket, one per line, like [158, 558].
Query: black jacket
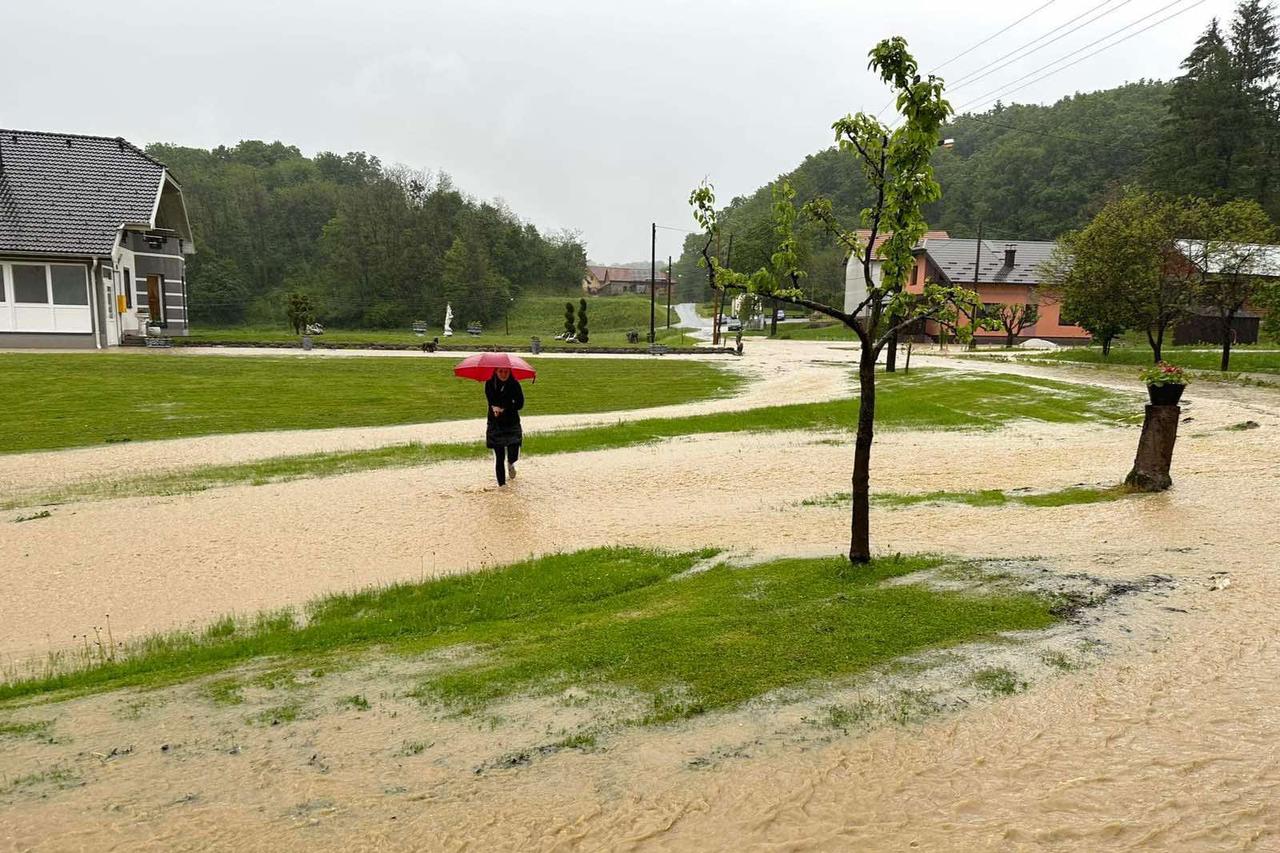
[504, 430]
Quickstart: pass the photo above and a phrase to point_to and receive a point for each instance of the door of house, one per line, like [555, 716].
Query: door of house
[112, 321]
[155, 297]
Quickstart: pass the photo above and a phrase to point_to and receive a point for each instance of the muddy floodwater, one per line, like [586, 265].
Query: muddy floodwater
[1159, 730]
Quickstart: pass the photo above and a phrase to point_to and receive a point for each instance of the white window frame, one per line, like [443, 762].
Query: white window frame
[48, 284]
[84, 272]
[4, 285]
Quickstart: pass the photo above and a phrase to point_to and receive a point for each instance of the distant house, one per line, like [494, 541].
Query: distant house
[613, 281]
[855, 288]
[1205, 325]
[94, 236]
[1009, 272]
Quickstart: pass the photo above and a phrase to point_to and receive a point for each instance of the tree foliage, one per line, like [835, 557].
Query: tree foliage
[1132, 264]
[1221, 138]
[1025, 171]
[371, 244]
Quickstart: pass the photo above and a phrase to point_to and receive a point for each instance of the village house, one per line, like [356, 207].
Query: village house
[1205, 325]
[614, 281]
[1009, 273]
[94, 237]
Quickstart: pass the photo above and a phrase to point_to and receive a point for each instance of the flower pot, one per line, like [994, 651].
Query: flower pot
[1166, 395]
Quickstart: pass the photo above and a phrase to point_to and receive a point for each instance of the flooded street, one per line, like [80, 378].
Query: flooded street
[1167, 739]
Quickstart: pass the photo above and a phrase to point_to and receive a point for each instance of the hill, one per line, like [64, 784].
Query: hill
[1025, 171]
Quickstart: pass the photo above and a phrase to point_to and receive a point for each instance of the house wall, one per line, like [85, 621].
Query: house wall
[142, 260]
[1200, 329]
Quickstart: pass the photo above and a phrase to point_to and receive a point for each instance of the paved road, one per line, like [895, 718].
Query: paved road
[689, 319]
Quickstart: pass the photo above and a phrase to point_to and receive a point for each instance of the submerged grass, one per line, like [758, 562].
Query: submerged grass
[985, 497]
[934, 399]
[624, 617]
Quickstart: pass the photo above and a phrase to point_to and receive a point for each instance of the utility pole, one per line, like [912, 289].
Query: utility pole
[977, 305]
[715, 326]
[653, 277]
[668, 291]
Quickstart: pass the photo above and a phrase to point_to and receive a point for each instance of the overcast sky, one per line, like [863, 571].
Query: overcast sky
[590, 115]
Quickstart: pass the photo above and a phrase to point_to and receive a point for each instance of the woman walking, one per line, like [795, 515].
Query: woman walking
[503, 434]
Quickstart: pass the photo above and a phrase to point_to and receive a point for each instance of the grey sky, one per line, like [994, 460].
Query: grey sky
[595, 116]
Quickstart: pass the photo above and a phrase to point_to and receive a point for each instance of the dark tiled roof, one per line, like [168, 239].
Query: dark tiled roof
[955, 258]
[625, 274]
[67, 194]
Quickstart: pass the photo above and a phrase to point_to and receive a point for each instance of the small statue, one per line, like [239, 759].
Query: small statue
[448, 320]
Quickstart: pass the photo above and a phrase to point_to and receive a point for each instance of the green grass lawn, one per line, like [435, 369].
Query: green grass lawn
[924, 399]
[691, 642]
[810, 332]
[609, 319]
[1243, 359]
[55, 400]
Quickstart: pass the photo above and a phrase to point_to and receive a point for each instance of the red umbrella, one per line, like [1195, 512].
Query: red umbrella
[481, 366]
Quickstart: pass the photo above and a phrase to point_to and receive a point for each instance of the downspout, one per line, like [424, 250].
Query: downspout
[95, 281]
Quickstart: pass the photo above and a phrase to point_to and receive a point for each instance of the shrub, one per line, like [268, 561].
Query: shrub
[582, 322]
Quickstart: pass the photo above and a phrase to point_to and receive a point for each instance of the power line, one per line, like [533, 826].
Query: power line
[970, 50]
[1002, 91]
[975, 47]
[977, 74]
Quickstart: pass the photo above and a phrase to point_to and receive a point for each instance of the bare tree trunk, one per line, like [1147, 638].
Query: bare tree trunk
[860, 539]
[891, 354]
[1150, 471]
[1106, 346]
[1156, 344]
[773, 321]
[1228, 322]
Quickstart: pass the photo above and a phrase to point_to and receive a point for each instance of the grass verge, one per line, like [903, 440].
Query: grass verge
[610, 318]
[688, 641]
[987, 497]
[933, 399]
[1206, 358]
[96, 398]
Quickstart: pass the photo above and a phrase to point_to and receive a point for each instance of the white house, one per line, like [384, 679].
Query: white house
[94, 236]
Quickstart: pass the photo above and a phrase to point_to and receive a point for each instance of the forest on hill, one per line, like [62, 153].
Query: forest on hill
[1034, 172]
[1026, 172]
[373, 246]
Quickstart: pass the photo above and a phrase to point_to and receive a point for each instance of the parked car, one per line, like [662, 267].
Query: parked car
[782, 315]
[733, 324]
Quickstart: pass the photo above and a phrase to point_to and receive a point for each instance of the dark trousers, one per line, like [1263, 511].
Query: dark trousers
[502, 455]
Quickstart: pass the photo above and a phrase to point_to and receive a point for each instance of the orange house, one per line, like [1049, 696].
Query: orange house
[1007, 273]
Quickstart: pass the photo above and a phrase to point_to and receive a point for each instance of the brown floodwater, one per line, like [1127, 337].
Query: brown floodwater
[1168, 740]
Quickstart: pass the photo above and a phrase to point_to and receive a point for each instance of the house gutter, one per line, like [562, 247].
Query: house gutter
[94, 283]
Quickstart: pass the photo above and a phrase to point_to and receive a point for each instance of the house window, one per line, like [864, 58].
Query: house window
[30, 284]
[128, 288]
[70, 286]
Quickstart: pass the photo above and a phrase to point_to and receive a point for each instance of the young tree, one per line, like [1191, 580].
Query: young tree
[1013, 318]
[1129, 265]
[896, 164]
[1086, 295]
[583, 332]
[299, 310]
[1234, 255]
[568, 320]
